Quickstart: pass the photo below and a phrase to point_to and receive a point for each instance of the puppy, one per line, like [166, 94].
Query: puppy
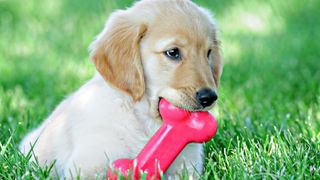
[155, 49]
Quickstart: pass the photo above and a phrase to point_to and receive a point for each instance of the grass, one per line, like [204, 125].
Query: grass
[269, 106]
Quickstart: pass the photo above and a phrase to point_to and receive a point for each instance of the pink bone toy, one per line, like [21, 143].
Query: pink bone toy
[179, 128]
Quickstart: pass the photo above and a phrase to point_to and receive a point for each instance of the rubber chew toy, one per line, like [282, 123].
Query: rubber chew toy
[179, 128]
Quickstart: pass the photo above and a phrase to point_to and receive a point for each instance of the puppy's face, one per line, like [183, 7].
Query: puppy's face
[161, 49]
[180, 62]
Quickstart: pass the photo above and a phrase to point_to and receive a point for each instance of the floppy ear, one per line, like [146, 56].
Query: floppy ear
[116, 54]
[217, 63]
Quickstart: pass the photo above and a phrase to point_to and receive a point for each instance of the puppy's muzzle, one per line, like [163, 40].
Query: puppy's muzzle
[206, 97]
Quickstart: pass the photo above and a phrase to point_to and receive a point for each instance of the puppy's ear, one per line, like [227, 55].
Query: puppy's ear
[116, 54]
[217, 63]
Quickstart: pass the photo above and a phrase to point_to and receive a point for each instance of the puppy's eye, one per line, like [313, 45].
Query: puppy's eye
[209, 53]
[173, 54]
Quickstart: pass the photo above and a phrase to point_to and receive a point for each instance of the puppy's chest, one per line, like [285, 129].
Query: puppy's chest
[134, 129]
[139, 137]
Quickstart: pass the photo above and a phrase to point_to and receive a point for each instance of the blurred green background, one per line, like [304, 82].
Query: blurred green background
[269, 106]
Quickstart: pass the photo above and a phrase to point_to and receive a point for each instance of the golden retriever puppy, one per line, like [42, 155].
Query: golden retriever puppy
[155, 49]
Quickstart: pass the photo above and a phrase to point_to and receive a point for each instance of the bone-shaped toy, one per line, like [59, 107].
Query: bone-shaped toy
[179, 128]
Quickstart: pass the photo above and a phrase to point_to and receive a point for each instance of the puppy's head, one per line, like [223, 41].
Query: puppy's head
[161, 49]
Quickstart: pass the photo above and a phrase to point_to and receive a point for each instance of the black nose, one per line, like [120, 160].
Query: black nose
[206, 97]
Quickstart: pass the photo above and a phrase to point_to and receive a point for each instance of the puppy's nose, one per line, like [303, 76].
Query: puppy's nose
[206, 97]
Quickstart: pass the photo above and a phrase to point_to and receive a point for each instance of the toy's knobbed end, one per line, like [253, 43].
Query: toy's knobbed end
[128, 169]
[121, 166]
[170, 112]
[202, 125]
[211, 127]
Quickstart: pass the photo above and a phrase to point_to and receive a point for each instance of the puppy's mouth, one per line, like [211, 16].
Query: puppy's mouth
[193, 107]
[181, 99]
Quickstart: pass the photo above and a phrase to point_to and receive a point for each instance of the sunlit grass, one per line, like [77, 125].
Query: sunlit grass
[269, 100]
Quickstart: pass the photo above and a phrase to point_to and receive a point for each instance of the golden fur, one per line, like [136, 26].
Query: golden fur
[117, 55]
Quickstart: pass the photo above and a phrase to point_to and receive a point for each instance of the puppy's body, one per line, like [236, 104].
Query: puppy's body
[115, 113]
[96, 125]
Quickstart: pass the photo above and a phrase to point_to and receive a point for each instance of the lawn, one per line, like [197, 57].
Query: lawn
[269, 105]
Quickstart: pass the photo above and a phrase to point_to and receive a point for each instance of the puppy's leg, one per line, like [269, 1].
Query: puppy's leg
[30, 139]
[190, 159]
